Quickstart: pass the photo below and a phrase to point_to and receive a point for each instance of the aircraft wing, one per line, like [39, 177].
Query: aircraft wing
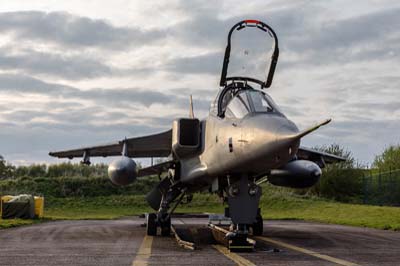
[157, 145]
[155, 169]
[319, 157]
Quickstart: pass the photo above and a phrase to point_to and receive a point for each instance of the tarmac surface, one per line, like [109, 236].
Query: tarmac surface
[123, 242]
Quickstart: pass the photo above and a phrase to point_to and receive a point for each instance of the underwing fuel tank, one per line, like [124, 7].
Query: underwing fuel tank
[122, 171]
[296, 174]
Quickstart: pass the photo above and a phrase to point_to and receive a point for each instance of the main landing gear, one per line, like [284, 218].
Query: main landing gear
[153, 222]
[162, 197]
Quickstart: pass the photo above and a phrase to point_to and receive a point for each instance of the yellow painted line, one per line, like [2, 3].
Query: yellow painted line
[308, 252]
[233, 256]
[144, 252]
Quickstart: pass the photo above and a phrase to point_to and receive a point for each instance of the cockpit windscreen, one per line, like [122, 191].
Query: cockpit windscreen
[248, 101]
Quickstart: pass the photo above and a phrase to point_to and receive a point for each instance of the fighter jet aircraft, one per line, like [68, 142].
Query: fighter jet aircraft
[245, 140]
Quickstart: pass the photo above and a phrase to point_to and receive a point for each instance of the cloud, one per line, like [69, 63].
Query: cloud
[355, 30]
[365, 139]
[210, 63]
[371, 36]
[344, 65]
[73, 31]
[307, 38]
[207, 25]
[91, 111]
[118, 97]
[56, 65]
[390, 106]
[115, 96]
[32, 143]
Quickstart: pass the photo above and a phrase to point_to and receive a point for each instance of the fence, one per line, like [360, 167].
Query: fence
[382, 188]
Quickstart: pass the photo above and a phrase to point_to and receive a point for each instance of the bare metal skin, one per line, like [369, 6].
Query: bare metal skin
[257, 142]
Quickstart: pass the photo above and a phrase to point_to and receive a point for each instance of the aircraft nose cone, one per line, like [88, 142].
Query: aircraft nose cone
[267, 134]
[286, 130]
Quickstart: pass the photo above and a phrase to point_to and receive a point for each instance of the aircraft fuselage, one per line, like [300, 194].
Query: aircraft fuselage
[252, 145]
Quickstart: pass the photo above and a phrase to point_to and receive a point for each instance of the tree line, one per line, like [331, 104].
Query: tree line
[348, 181]
[351, 181]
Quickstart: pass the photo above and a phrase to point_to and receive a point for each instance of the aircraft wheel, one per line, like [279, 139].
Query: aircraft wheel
[166, 227]
[151, 226]
[258, 226]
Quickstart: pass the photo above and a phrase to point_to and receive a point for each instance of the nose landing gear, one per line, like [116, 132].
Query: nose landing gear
[151, 224]
[243, 199]
[258, 226]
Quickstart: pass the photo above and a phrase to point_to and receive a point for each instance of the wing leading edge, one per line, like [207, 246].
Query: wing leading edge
[319, 157]
[155, 169]
[157, 145]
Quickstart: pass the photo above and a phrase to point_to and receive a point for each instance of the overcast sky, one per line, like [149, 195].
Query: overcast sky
[75, 73]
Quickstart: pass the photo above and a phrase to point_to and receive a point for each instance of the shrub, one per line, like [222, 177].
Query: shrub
[341, 181]
[389, 160]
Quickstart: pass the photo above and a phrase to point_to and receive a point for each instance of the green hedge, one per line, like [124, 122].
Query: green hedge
[64, 186]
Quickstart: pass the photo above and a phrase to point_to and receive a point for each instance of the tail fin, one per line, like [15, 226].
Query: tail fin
[191, 113]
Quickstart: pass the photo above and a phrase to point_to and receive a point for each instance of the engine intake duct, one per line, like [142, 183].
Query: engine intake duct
[185, 137]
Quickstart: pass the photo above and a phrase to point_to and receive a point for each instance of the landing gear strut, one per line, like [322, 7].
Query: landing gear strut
[258, 226]
[165, 225]
[151, 224]
[243, 199]
[165, 193]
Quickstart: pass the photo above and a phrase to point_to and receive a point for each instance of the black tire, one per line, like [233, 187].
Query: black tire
[258, 226]
[166, 227]
[151, 227]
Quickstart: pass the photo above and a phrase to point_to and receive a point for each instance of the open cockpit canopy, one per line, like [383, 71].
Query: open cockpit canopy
[250, 57]
[251, 54]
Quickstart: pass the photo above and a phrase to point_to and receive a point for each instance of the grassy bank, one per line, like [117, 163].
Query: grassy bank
[275, 204]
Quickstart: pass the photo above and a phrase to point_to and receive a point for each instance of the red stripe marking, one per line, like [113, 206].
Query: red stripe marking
[252, 21]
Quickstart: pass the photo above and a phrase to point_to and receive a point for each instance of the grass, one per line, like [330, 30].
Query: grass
[319, 210]
[108, 207]
[275, 204]
[15, 222]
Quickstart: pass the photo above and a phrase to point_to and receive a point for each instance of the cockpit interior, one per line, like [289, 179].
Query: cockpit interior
[237, 102]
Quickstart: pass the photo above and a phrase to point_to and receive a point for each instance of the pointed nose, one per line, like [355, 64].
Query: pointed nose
[286, 131]
[269, 130]
[286, 141]
[268, 139]
[271, 125]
